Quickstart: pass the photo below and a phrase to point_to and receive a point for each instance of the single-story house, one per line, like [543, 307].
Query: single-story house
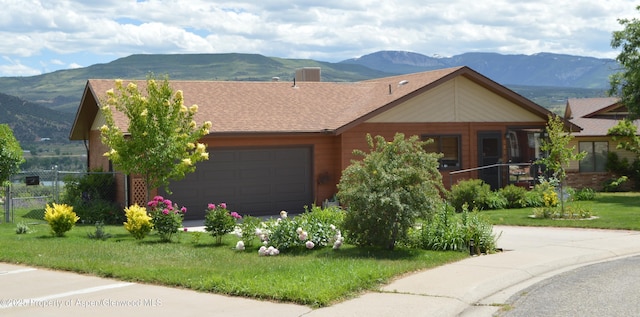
[282, 145]
[595, 116]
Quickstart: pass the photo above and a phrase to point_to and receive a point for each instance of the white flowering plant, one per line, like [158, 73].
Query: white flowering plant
[315, 228]
[247, 231]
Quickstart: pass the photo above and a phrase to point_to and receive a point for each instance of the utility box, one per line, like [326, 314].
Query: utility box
[308, 74]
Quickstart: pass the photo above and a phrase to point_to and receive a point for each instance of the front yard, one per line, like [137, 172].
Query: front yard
[316, 278]
[311, 277]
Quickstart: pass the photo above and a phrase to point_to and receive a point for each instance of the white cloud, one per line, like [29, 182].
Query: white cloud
[330, 30]
[16, 68]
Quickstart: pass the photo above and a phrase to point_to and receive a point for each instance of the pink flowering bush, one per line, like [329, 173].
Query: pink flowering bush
[219, 221]
[165, 216]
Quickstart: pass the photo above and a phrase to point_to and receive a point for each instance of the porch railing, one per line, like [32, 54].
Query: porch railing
[522, 170]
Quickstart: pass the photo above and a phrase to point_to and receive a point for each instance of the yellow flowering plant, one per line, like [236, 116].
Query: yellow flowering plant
[138, 221]
[60, 218]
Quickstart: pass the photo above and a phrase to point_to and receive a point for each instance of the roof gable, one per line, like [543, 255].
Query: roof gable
[458, 100]
[596, 115]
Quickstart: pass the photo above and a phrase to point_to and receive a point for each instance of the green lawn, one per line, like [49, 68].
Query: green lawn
[614, 211]
[315, 278]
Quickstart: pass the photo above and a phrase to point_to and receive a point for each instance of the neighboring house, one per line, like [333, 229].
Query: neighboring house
[595, 116]
[283, 145]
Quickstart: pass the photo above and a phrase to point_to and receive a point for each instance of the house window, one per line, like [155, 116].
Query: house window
[596, 158]
[449, 146]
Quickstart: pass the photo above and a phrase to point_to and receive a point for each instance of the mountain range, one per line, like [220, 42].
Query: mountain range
[542, 69]
[548, 79]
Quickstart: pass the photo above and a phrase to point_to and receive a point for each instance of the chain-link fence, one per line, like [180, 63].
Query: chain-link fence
[31, 191]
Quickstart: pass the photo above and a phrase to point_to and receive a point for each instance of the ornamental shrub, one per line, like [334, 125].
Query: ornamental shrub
[330, 215]
[448, 230]
[321, 226]
[219, 221]
[60, 217]
[549, 201]
[394, 184]
[443, 232]
[495, 200]
[165, 216]
[247, 230]
[533, 198]
[515, 196]
[614, 184]
[478, 228]
[93, 197]
[282, 235]
[584, 194]
[471, 192]
[138, 221]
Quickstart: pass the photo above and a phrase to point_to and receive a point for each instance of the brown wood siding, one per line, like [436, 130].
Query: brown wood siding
[332, 154]
[355, 138]
[97, 160]
[96, 153]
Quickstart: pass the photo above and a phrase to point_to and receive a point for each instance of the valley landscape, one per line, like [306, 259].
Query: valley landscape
[41, 109]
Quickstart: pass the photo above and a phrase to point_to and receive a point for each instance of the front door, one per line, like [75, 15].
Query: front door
[489, 153]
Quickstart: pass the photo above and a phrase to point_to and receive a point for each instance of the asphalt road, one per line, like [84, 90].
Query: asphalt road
[603, 289]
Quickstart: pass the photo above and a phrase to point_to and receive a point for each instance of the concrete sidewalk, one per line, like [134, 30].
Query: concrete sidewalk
[476, 286]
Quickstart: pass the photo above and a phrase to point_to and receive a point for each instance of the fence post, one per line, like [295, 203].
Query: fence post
[7, 200]
[56, 187]
[126, 190]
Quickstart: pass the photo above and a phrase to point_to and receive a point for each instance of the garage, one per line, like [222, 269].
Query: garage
[251, 181]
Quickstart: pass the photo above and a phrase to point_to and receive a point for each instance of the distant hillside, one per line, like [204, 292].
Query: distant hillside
[547, 79]
[62, 90]
[31, 122]
[542, 69]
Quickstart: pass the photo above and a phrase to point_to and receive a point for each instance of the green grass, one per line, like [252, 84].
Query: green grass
[614, 211]
[315, 278]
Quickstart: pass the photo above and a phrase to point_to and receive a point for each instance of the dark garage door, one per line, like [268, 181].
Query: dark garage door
[255, 182]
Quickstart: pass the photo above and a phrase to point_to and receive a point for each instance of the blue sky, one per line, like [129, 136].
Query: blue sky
[45, 36]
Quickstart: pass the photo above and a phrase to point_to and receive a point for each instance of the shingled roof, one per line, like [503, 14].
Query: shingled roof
[595, 115]
[236, 107]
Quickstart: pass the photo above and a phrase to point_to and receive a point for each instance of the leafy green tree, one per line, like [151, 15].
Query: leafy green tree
[626, 83]
[394, 185]
[626, 134]
[10, 154]
[161, 142]
[558, 153]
